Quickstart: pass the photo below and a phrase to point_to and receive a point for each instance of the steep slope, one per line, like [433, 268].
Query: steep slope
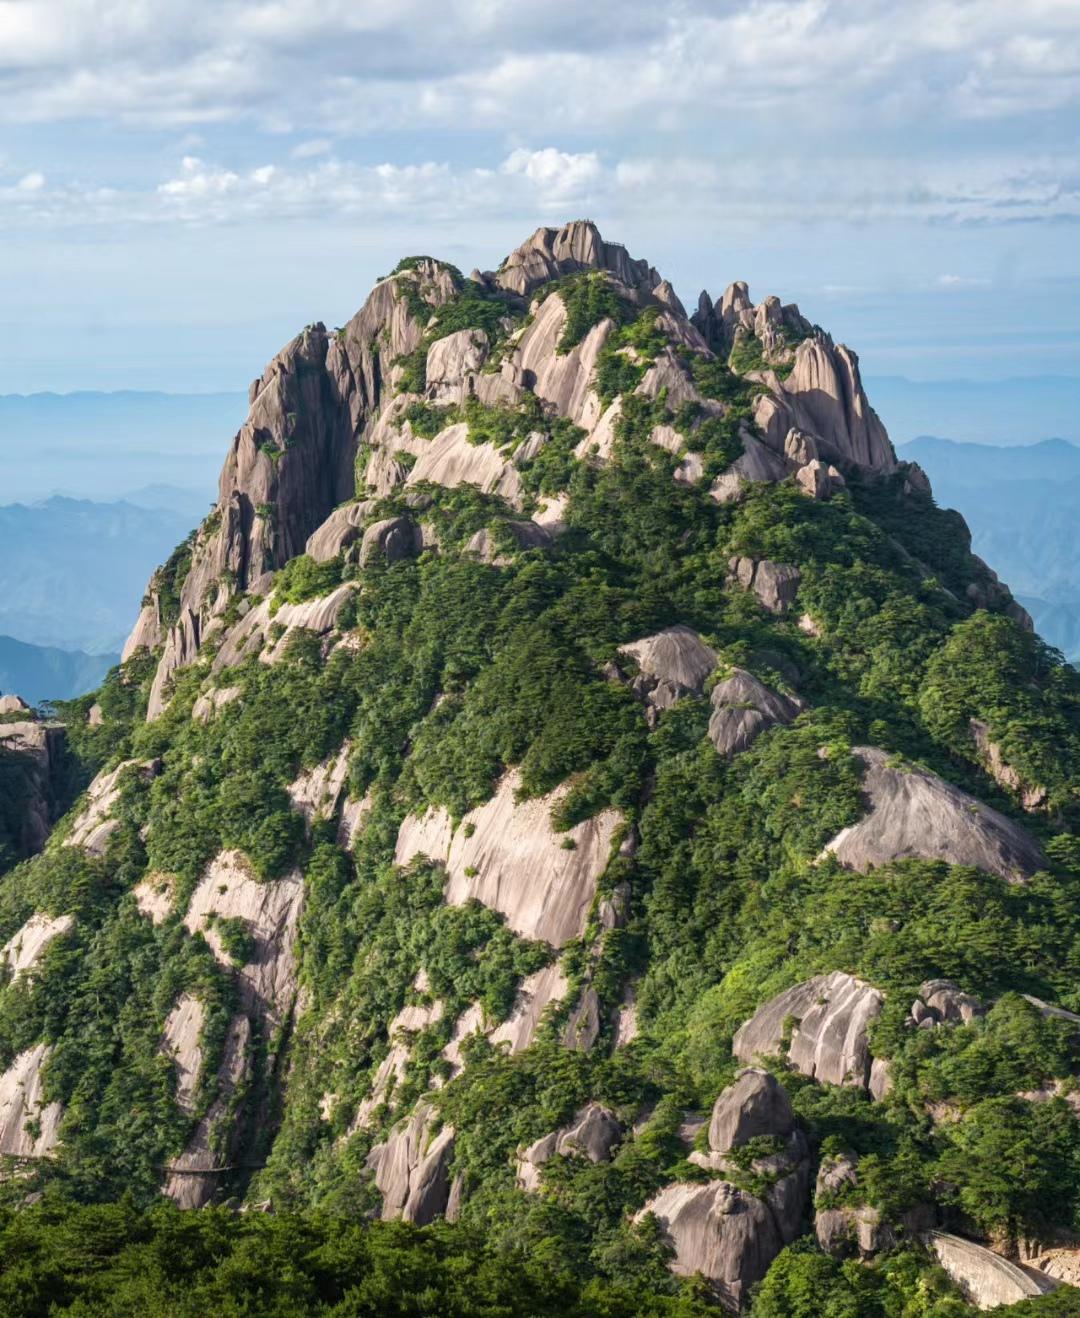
[505, 746]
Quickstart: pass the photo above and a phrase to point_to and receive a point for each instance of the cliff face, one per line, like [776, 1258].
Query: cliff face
[568, 702]
[33, 775]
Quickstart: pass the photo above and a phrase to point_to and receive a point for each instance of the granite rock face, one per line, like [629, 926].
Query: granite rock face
[29, 1127]
[912, 812]
[411, 1169]
[941, 1002]
[593, 1133]
[774, 584]
[843, 1226]
[672, 664]
[577, 246]
[985, 1278]
[743, 707]
[829, 1042]
[40, 749]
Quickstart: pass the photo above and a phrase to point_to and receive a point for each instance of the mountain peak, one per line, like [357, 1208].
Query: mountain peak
[550, 253]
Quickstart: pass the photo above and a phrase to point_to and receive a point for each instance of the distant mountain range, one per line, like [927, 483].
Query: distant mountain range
[998, 412]
[41, 672]
[99, 445]
[1022, 503]
[72, 571]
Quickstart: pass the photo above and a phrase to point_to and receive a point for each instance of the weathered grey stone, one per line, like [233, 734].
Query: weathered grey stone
[847, 1228]
[756, 1104]
[1032, 797]
[526, 535]
[577, 246]
[672, 664]
[985, 1278]
[912, 812]
[95, 823]
[743, 707]
[583, 1026]
[451, 460]
[829, 1041]
[40, 748]
[775, 584]
[412, 1168]
[25, 948]
[341, 529]
[450, 362]
[29, 1127]
[394, 538]
[592, 1133]
[940, 1001]
[720, 1231]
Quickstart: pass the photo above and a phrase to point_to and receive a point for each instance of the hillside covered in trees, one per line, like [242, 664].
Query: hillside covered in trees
[576, 793]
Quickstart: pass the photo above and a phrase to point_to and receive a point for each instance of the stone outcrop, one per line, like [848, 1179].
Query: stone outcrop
[507, 855]
[450, 363]
[829, 1039]
[192, 1179]
[451, 460]
[720, 1230]
[985, 1278]
[393, 538]
[411, 1169]
[95, 823]
[317, 792]
[524, 535]
[1032, 797]
[912, 812]
[565, 380]
[593, 1133]
[577, 246]
[942, 1002]
[25, 948]
[672, 664]
[742, 708]
[39, 748]
[270, 912]
[180, 1042]
[774, 584]
[154, 896]
[538, 991]
[391, 1070]
[208, 704]
[29, 1127]
[341, 529]
[842, 1225]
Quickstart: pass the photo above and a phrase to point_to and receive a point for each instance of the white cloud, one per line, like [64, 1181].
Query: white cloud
[361, 65]
[557, 175]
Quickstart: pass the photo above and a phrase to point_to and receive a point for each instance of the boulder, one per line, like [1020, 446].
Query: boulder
[394, 538]
[985, 1278]
[940, 1002]
[672, 664]
[13, 705]
[912, 812]
[341, 529]
[829, 1040]
[774, 584]
[756, 1104]
[743, 707]
[726, 1234]
[525, 535]
[844, 1228]
[592, 1133]
[412, 1168]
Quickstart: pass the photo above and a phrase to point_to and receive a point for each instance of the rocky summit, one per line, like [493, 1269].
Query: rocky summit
[577, 793]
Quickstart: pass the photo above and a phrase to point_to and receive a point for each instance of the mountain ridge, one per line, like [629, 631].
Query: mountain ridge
[577, 784]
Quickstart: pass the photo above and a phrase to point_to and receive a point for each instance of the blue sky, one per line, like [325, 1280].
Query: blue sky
[186, 183]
